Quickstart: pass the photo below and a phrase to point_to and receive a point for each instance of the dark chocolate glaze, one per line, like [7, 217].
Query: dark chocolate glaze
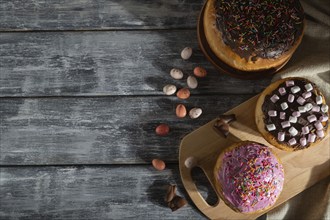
[259, 28]
[302, 121]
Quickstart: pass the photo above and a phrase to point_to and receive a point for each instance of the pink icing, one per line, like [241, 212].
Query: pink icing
[251, 177]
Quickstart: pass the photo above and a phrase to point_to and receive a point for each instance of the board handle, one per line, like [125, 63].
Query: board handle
[191, 188]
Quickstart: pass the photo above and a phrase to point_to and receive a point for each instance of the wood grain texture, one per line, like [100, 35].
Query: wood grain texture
[104, 130]
[105, 192]
[97, 14]
[105, 63]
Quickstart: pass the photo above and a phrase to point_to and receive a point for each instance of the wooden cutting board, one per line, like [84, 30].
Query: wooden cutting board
[302, 168]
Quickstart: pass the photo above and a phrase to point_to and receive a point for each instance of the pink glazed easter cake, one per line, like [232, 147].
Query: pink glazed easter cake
[249, 177]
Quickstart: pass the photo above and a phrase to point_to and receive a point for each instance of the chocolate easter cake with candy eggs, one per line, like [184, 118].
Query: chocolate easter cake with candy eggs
[253, 35]
[292, 114]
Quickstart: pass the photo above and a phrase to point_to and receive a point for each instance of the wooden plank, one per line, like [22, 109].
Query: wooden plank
[105, 63]
[98, 14]
[104, 130]
[110, 192]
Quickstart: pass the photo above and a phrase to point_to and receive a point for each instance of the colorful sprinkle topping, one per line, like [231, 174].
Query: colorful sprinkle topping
[263, 28]
[251, 177]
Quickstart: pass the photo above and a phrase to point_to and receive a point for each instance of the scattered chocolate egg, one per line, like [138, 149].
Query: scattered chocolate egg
[176, 73]
[192, 82]
[183, 93]
[158, 164]
[200, 72]
[181, 111]
[162, 129]
[195, 113]
[186, 53]
[169, 89]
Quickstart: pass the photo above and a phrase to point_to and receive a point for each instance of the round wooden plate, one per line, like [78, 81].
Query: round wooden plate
[223, 67]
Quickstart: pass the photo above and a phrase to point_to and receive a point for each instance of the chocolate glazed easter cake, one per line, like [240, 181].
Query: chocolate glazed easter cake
[253, 35]
[292, 114]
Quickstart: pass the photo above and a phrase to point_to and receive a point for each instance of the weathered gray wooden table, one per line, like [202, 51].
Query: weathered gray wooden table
[81, 94]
